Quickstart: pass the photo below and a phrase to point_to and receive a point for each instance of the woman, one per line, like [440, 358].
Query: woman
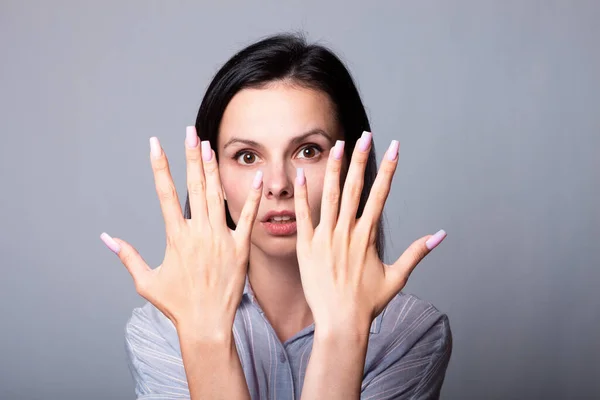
[272, 285]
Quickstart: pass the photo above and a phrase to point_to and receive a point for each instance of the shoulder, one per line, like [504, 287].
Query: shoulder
[411, 346]
[407, 321]
[408, 315]
[153, 353]
[148, 325]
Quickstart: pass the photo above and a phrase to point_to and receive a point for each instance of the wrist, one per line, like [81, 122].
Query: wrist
[203, 333]
[217, 346]
[342, 328]
[341, 338]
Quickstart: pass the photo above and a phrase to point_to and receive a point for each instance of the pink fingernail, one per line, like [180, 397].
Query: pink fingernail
[300, 178]
[257, 179]
[154, 147]
[365, 141]
[191, 138]
[435, 239]
[338, 149]
[110, 243]
[206, 151]
[392, 151]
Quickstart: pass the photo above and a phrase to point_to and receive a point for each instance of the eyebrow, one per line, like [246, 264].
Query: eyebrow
[295, 140]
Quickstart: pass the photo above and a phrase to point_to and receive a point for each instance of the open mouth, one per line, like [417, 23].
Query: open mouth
[281, 220]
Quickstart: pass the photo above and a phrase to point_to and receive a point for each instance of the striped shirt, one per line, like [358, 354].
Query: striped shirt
[409, 349]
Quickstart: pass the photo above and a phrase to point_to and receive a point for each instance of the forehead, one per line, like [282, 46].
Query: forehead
[276, 113]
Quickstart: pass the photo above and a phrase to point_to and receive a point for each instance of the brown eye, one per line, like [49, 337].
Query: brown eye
[309, 152]
[246, 158]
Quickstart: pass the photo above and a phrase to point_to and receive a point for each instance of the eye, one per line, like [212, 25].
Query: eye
[245, 157]
[310, 151]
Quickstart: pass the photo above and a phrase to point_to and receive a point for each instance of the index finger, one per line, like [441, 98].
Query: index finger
[165, 188]
[196, 182]
[305, 229]
[246, 222]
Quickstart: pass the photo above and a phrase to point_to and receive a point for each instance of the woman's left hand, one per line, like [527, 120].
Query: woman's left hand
[344, 281]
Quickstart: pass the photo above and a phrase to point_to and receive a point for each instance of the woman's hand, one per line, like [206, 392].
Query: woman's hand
[345, 283]
[200, 282]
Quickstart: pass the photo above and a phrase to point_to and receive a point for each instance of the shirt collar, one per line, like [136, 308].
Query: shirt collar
[375, 325]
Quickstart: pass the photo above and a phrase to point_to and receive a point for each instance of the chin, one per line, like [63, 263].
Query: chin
[277, 246]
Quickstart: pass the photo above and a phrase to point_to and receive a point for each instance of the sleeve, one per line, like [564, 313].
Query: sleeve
[153, 356]
[418, 374]
[432, 379]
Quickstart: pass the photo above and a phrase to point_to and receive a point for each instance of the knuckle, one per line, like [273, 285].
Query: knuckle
[381, 195]
[160, 164]
[246, 218]
[332, 197]
[166, 192]
[389, 167]
[216, 197]
[210, 167]
[127, 258]
[303, 216]
[173, 239]
[193, 156]
[361, 159]
[198, 187]
[355, 190]
[335, 167]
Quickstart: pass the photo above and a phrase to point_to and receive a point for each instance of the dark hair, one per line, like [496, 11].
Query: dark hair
[288, 57]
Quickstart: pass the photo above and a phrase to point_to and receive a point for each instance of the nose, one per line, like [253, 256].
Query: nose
[278, 182]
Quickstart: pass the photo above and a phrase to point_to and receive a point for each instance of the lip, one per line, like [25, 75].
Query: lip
[279, 228]
[282, 213]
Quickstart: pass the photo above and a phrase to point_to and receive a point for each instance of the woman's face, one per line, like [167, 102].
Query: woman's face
[275, 129]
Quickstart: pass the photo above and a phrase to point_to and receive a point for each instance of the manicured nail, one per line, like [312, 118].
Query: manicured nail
[206, 151]
[257, 179]
[191, 138]
[300, 178]
[392, 151]
[155, 147]
[435, 239]
[110, 243]
[365, 141]
[338, 150]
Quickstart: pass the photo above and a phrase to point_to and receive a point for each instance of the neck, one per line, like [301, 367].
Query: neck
[277, 287]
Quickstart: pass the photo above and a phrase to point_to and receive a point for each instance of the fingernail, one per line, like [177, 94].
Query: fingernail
[110, 243]
[206, 151]
[257, 179]
[435, 239]
[300, 178]
[365, 141]
[392, 151]
[191, 138]
[338, 149]
[154, 147]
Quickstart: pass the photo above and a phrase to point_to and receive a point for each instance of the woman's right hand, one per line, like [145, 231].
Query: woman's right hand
[200, 282]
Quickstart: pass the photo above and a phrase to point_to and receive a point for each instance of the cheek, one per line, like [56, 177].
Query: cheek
[235, 192]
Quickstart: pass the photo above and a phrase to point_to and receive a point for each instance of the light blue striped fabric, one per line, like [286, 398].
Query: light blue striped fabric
[409, 349]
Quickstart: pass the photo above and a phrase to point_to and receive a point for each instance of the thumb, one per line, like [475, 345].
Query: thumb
[412, 256]
[129, 256]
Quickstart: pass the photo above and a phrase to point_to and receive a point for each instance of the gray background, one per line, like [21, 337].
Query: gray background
[496, 106]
